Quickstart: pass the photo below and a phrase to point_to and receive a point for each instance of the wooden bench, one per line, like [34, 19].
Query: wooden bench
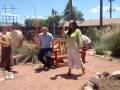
[59, 51]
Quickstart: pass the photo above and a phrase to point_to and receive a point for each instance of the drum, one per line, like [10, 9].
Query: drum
[16, 38]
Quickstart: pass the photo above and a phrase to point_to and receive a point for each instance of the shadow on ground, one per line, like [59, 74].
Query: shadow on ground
[65, 76]
[40, 69]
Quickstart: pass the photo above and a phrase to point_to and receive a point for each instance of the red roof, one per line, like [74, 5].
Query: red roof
[95, 22]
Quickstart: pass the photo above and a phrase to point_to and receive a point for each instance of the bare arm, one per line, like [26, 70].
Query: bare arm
[3, 42]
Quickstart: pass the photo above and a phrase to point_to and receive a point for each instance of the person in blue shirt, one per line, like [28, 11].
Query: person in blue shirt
[46, 47]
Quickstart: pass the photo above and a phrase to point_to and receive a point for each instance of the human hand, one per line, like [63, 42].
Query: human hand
[8, 43]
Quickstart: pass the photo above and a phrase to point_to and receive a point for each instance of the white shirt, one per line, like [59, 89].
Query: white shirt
[86, 39]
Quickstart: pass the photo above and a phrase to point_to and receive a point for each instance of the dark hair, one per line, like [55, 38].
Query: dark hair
[74, 27]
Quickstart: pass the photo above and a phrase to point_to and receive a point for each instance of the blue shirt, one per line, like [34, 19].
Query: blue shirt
[46, 40]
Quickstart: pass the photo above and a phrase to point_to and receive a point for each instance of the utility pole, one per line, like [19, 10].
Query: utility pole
[36, 23]
[14, 17]
[36, 26]
[54, 13]
[110, 9]
[101, 13]
[8, 16]
[34, 8]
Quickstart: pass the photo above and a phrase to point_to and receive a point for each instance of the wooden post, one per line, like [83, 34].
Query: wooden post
[101, 14]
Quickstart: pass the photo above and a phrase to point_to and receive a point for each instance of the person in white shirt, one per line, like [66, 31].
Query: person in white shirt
[46, 45]
[86, 43]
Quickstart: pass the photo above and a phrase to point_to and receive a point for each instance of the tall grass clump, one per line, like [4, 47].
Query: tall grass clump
[98, 42]
[29, 50]
[105, 41]
[93, 34]
[114, 44]
[101, 46]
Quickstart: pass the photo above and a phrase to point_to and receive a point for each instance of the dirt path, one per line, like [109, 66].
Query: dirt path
[34, 78]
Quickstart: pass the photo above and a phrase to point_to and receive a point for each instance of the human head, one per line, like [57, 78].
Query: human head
[44, 30]
[4, 29]
[72, 25]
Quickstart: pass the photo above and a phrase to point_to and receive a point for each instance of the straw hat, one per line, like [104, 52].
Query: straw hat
[16, 38]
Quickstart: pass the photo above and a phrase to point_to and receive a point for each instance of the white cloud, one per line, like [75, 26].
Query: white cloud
[32, 17]
[40, 17]
[105, 9]
[20, 16]
[95, 10]
[116, 7]
[10, 15]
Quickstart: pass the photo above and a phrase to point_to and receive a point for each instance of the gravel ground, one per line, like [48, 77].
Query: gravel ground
[32, 77]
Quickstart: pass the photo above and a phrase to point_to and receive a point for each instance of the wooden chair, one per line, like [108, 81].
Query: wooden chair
[59, 51]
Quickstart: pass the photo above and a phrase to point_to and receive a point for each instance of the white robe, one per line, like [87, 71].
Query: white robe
[74, 59]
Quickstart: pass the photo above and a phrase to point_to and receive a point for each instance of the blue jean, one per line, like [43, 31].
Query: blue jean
[44, 56]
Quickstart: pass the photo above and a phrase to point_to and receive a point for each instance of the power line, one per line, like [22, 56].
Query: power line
[8, 15]
[111, 8]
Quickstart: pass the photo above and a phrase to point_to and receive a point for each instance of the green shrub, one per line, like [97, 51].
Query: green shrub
[93, 34]
[107, 41]
[100, 46]
[115, 44]
[28, 49]
[97, 41]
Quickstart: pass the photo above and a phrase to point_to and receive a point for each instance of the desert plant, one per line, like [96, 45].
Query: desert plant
[98, 41]
[110, 42]
[101, 46]
[105, 41]
[29, 50]
[93, 34]
[115, 44]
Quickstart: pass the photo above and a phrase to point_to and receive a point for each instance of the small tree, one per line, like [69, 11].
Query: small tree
[71, 12]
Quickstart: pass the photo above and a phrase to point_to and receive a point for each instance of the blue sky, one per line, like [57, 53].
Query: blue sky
[42, 8]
